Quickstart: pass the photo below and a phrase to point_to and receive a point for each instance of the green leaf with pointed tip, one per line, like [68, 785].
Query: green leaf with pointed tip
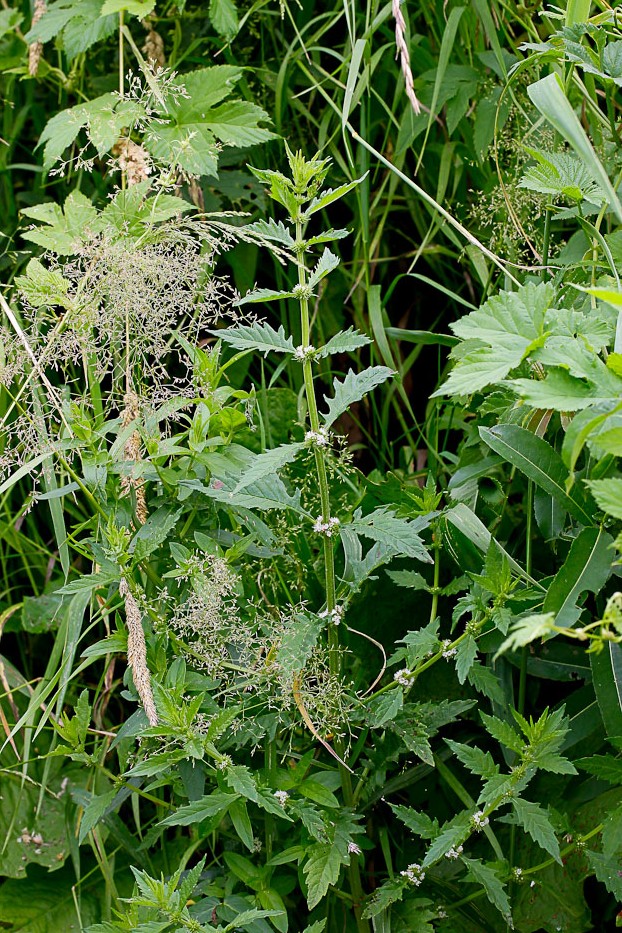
[66, 228]
[400, 534]
[586, 569]
[321, 869]
[205, 808]
[607, 675]
[484, 875]
[345, 342]
[267, 463]
[534, 457]
[224, 18]
[608, 495]
[330, 195]
[258, 336]
[452, 834]
[325, 265]
[535, 821]
[353, 388]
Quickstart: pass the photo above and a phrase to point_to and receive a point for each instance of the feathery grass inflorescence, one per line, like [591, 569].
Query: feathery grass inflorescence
[404, 54]
[137, 652]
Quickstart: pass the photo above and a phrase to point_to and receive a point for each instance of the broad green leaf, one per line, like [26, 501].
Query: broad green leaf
[527, 629]
[267, 493]
[238, 812]
[561, 174]
[466, 653]
[138, 8]
[353, 388]
[273, 230]
[103, 117]
[586, 569]
[534, 457]
[94, 812]
[267, 463]
[132, 213]
[319, 794]
[42, 287]
[497, 338]
[608, 495]
[502, 732]
[384, 708]
[535, 821]
[400, 534]
[607, 871]
[321, 869]
[20, 821]
[66, 229]
[297, 645]
[154, 532]
[605, 767]
[344, 342]
[607, 674]
[241, 780]
[197, 128]
[259, 336]
[44, 903]
[549, 98]
[80, 22]
[482, 874]
[215, 804]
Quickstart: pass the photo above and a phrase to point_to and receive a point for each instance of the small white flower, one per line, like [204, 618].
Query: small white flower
[282, 796]
[447, 651]
[325, 528]
[404, 677]
[335, 615]
[454, 852]
[414, 873]
[518, 874]
[353, 848]
[479, 820]
[224, 763]
[304, 353]
[319, 438]
[441, 913]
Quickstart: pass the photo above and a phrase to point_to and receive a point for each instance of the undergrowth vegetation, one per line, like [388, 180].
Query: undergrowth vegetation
[310, 487]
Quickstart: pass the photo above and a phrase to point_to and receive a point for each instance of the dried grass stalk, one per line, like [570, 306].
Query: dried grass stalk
[132, 451]
[137, 653]
[133, 160]
[154, 47]
[35, 49]
[402, 48]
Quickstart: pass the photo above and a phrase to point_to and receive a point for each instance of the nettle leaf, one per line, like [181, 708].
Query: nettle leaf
[387, 894]
[329, 195]
[466, 653]
[353, 388]
[325, 265]
[264, 494]
[535, 821]
[261, 295]
[327, 237]
[196, 127]
[418, 823]
[223, 16]
[259, 336]
[321, 869]
[66, 229]
[561, 174]
[400, 534]
[452, 834]
[205, 808]
[607, 872]
[605, 767]
[474, 759]
[103, 118]
[267, 463]
[345, 342]
[80, 22]
[273, 230]
[608, 495]
[484, 875]
[497, 338]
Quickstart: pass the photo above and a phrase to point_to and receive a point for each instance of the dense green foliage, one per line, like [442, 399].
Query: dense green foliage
[310, 488]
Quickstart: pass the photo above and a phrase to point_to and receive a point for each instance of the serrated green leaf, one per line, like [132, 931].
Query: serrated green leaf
[273, 230]
[466, 653]
[353, 388]
[605, 767]
[561, 174]
[154, 532]
[452, 834]
[474, 759]
[527, 629]
[420, 824]
[215, 804]
[138, 8]
[241, 780]
[267, 463]
[238, 813]
[262, 295]
[400, 534]
[325, 265]
[535, 821]
[330, 195]
[66, 228]
[503, 732]
[295, 649]
[384, 708]
[344, 342]
[607, 871]
[608, 495]
[482, 874]
[321, 869]
[259, 336]
[224, 18]
[387, 894]
[497, 338]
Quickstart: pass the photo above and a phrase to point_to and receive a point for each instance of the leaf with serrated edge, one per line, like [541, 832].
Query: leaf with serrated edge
[326, 263]
[321, 870]
[353, 388]
[258, 336]
[268, 462]
[535, 821]
[345, 342]
[490, 881]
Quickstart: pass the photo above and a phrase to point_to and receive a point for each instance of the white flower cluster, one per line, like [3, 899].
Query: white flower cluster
[353, 849]
[414, 873]
[224, 763]
[454, 852]
[304, 353]
[447, 651]
[404, 677]
[282, 796]
[319, 438]
[518, 874]
[479, 820]
[326, 528]
[335, 615]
